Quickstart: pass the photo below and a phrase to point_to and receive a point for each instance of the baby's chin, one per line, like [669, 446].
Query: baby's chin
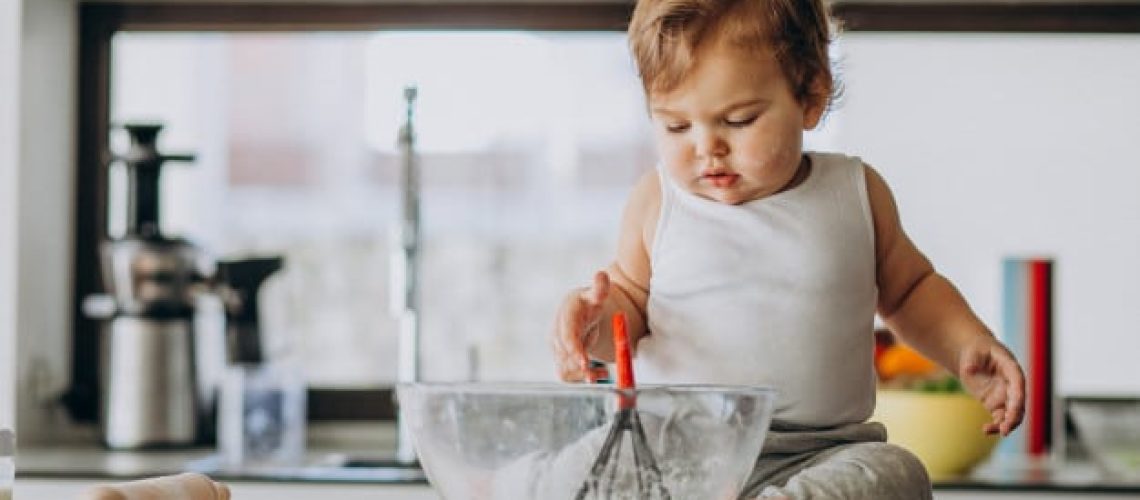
[726, 196]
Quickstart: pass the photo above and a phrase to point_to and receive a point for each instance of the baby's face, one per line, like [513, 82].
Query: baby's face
[732, 131]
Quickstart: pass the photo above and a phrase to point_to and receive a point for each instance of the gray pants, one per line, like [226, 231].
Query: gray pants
[849, 462]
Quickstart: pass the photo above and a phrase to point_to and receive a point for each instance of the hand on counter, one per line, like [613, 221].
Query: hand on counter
[190, 486]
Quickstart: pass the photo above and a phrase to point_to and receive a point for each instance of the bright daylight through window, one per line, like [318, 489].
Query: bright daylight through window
[295, 140]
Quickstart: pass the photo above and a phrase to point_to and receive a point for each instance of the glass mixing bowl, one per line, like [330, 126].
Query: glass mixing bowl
[539, 441]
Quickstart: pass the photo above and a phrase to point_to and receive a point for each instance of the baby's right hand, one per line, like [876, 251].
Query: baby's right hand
[577, 329]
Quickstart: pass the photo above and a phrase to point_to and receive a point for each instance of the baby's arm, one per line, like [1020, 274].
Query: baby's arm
[580, 332]
[925, 310]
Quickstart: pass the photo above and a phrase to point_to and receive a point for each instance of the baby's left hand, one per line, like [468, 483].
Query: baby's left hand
[990, 373]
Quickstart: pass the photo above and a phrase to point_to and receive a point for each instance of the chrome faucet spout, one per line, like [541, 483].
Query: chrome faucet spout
[405, 271]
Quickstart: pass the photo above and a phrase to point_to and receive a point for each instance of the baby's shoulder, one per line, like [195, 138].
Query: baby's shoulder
[646, 194]
[645, 203]
[835, 159]
[639, 221]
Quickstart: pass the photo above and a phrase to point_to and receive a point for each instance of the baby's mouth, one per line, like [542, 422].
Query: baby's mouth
[720, 179]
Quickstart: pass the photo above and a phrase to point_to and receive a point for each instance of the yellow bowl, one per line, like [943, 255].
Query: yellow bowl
[943, 430]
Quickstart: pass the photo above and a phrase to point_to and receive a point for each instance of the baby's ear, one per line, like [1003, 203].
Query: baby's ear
[815, 104]
[813, 113]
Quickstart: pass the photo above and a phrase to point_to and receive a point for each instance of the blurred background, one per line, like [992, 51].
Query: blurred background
[1006, 131]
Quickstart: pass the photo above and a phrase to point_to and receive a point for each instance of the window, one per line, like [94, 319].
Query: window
[528, 144]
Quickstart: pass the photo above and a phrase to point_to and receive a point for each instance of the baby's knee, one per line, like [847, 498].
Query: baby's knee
[902, 458]
[898, 469]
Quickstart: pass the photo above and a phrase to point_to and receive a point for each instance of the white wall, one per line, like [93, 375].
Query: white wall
[9, 161]
[1000, 145]
[45, 186]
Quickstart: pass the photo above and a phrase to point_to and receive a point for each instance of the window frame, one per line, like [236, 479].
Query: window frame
[100, 21]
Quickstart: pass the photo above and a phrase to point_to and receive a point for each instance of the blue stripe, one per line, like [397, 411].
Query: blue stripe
[1014, 312]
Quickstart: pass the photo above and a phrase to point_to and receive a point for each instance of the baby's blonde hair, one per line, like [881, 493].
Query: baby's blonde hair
[664, 36]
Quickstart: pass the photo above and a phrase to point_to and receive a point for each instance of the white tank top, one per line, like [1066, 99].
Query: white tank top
[778, 292]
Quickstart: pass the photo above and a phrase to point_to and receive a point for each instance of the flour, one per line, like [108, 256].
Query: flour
[691, 457]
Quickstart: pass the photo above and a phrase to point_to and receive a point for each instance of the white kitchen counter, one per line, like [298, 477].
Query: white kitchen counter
[66, 489]
[48, 489]
[61, 473]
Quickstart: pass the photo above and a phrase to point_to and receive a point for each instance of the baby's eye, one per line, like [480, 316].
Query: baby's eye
[741, 122]
[676, 128]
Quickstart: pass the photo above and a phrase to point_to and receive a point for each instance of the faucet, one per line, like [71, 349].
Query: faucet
[405, 273]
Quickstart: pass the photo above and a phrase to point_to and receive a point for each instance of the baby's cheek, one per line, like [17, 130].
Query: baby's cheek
[776, 158]
[679, 165]
[675, 155]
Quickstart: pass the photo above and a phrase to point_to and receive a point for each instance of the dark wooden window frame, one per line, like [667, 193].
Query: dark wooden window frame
[99, 21]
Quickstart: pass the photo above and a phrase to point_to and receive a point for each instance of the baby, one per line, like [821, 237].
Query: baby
[745, 260]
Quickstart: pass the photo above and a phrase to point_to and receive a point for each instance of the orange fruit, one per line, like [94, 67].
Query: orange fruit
[899, 359]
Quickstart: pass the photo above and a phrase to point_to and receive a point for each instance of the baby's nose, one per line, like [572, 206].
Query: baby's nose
[710, 145]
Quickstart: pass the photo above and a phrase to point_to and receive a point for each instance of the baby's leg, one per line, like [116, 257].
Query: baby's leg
[858, 470]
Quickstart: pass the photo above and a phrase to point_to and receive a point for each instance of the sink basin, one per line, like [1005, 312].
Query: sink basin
[510, 441]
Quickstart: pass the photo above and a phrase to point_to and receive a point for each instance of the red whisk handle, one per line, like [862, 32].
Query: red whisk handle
[622, 355]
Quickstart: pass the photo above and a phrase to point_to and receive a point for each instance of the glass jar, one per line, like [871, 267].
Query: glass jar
[261, 419]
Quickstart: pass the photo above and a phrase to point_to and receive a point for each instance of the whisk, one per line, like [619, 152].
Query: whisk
[600, 479]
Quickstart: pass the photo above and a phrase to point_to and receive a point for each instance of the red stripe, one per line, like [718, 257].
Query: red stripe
[1038, 400]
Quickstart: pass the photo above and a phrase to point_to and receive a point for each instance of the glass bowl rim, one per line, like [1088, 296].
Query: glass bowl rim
[562, 389]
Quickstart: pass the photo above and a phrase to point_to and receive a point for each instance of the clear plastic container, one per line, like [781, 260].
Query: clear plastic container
[1110, 431]
[511, 441]
[261, 417]
[7, 463]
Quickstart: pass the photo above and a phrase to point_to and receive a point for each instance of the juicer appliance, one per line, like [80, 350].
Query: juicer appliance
[148, 366]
